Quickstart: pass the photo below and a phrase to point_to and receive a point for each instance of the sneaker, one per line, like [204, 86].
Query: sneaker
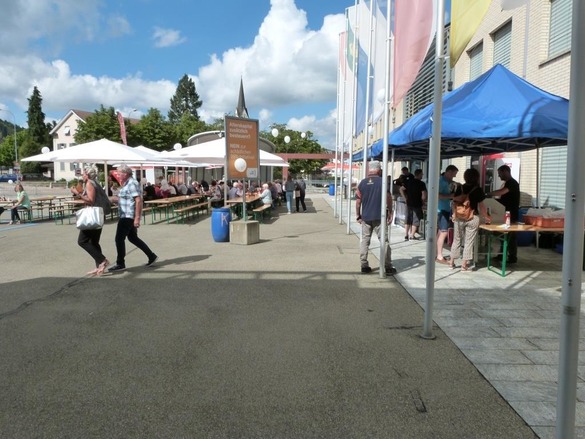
[151, 260]
[366, 269]
[406, 238]
[390, 271]
[116, 267]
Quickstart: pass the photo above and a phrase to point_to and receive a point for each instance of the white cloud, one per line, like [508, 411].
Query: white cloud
[167, 37]
[288, 64]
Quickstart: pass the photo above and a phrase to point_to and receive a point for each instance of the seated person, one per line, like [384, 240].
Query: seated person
[266, 195]
[235, 191]
[182, 189]
[149, 192]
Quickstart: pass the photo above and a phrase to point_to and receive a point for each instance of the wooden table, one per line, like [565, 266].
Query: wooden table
[236, 203]
[500, 232]
[169, 203]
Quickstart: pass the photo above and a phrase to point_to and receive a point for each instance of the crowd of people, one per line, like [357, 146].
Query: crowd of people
[461, 208]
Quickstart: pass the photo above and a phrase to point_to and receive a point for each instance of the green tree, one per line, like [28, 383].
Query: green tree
[37, 133]
[297, 144]
[187, 127]
[7, 147]
[156, 132]
[185, 100]
[103, 124]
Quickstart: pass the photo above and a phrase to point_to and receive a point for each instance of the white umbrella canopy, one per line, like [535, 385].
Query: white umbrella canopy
[214, 153]
[100, 151]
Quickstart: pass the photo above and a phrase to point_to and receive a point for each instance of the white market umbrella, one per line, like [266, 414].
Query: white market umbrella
[100, 151]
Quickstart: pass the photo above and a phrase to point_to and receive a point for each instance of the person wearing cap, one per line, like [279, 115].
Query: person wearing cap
[368, 207]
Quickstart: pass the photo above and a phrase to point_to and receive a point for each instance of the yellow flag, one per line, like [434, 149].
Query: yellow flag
[466, 16]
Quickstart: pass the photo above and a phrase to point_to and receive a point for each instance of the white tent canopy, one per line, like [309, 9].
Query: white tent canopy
[214, 153]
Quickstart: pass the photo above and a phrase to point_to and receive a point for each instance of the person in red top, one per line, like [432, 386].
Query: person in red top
[368, 207]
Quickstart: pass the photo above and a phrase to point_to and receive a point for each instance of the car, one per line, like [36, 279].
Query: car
[8, 178]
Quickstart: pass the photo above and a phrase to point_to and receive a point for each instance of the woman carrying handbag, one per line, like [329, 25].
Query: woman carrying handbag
[89, 239]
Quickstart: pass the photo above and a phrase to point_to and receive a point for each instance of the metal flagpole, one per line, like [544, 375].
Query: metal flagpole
[368, 91]
[433, 186]
[354, 98]
[573, 242]
[385, 140]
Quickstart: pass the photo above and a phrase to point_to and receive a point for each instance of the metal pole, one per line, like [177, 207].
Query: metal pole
[573, 242]
[434, 162]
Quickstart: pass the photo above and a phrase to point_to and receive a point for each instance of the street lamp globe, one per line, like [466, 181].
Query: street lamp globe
[274, 132]
[286, 139]
[303, 134]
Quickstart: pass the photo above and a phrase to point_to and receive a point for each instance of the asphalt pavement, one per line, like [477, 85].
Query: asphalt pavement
[280, 339]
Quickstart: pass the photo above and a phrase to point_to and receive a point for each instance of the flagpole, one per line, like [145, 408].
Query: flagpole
[385, 138]
[368, 91]
[353, 124]
[434, 163]
[340, 125]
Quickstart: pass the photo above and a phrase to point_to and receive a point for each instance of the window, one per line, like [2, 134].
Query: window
[61, 146]
[560, 27]
[67, 130]
[475, 61]
[502, 45]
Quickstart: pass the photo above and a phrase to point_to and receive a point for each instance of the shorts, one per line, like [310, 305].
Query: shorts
[414, 216]
[444, 220]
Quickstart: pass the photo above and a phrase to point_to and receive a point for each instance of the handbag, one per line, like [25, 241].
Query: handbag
[90, 218]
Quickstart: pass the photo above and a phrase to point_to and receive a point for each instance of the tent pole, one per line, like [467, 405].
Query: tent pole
[434, 163]
[573, 242]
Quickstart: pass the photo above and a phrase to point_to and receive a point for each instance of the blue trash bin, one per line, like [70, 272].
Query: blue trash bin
[220, 224]
[331, 189]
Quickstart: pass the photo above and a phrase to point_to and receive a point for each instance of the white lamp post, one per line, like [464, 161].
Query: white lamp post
[15, 145]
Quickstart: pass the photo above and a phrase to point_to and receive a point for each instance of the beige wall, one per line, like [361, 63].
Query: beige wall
[60, 137]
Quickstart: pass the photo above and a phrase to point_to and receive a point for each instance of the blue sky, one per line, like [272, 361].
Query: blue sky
[131, 53]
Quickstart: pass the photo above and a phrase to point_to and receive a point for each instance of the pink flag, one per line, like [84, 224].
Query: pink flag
[122, 128]
[413, 31]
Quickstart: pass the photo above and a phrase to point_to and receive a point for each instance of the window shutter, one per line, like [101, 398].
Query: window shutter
[553, 173]
[502, 45]
[475, 61]
[560, 27]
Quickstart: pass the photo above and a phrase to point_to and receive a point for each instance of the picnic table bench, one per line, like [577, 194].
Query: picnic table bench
[260, 211]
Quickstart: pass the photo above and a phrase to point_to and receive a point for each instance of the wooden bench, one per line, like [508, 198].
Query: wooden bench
[152, 212]
[184, 212]
[260, 211]
[57, 212]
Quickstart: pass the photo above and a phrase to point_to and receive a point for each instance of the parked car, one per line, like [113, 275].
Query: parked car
[8, 177]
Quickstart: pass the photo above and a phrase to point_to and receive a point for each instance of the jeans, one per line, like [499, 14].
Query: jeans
[125, 230]
[367, 228]
[89, 240]
[289, 200]
[14, 216]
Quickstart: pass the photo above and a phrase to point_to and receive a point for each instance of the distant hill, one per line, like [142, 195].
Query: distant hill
[7, 128]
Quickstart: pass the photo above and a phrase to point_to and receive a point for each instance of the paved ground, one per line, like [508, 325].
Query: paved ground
[283, 338]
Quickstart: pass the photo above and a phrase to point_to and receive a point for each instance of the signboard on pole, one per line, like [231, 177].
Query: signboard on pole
[242, 151]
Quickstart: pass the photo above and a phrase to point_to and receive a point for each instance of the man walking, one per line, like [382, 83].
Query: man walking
[415, 194]
[368, 207]
[130, 211]
[509, 195]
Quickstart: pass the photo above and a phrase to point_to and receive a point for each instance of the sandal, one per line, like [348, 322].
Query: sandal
[94, 271]
[102, 268]
[441, 261]
[466, 268]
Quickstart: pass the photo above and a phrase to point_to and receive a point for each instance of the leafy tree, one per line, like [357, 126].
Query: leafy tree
[7, 147]
[217, 125]
[185, 100]
[155, 132]
[103, 124]
[187, 127]
[297, 144]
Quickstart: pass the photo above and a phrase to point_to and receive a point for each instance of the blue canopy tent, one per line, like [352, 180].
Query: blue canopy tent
[496, 112]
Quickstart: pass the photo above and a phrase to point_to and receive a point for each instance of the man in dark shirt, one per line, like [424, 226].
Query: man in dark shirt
[368, 207]
[415, 194]
[509, 195]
